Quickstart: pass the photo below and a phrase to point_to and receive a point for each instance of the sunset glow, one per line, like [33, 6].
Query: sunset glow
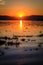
[21, 7]
[21, 32]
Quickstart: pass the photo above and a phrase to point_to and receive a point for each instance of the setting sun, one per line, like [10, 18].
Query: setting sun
[20, 15]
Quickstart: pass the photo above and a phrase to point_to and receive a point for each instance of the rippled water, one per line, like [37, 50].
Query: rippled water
[28, 30]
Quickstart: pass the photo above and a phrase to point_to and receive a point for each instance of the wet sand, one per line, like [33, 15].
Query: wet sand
[22, 56]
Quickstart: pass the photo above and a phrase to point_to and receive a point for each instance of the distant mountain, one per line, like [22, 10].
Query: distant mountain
[32, 17]
[7, 18]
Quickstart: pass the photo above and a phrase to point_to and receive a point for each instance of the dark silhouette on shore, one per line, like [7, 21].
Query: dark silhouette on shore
[32, 17]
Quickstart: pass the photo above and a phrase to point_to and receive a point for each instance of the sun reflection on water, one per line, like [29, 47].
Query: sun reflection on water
[21, 23]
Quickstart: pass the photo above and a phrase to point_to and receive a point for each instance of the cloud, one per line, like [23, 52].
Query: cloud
[2, 2]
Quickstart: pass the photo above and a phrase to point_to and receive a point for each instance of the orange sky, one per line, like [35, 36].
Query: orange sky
[21, 7]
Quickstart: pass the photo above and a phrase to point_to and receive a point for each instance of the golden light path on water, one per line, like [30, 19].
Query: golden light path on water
[20, 27]
[21, 23]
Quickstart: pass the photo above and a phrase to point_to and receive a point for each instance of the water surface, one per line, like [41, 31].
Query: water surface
[27, 30]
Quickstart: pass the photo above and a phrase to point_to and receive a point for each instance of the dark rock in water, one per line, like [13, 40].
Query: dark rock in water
[25, 50]
[5, 37]
[30, 49]
[40, 44]
[10, 43]
[1, 52]
[15, 38]
[30, 36]
[40, 32]
[5, 30]
[33, 40]
[28, 39]
[2, 42]
[36, 49]
[41, 35]
[22, 39]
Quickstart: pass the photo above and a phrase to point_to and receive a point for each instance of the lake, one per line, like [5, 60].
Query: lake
[23, 29]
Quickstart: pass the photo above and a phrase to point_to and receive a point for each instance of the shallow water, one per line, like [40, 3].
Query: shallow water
[27, 30]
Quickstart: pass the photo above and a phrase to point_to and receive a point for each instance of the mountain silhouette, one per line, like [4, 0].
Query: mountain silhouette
[32, 17]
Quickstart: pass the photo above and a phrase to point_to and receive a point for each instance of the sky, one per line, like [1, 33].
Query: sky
[21, 7]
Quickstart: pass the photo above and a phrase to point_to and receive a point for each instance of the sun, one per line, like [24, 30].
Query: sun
[21, 15]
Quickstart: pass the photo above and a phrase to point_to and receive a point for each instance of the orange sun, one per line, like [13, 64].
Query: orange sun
[21, 15]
